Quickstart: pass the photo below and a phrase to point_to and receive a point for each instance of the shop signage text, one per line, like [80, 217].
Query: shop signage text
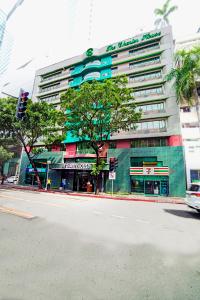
[122, 44]
[158, 171]
[40, 170]
[78, 166]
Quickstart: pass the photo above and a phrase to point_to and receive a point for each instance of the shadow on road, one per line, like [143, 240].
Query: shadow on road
[183, 213]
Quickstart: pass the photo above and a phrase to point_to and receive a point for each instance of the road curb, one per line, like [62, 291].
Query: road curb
[156, 200]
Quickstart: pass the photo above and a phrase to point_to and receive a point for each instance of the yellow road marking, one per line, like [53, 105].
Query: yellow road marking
[15, 212]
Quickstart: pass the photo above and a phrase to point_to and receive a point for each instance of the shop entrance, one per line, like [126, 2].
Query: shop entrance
[82, 180]
[150, 187]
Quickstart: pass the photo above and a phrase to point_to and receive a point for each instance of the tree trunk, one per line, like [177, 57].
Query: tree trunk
[197, 104]
[97, 176]
[35, 169]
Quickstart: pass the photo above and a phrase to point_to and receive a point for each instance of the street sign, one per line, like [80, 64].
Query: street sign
[112, 175]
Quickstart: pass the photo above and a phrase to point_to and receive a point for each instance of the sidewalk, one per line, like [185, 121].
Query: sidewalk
[130, 197]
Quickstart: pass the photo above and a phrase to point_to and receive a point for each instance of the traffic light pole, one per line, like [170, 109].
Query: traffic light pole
[112, 187]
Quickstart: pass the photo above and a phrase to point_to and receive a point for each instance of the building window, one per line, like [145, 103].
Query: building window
[114, 56]
[114, 68]
[186, 109]
[50, 99]
[144, 49]
[92, 75]
[143, 63]
[152, 142]
[49, 88]
[151, 91]
[155, 107]
[112, 145]
[51, 76]
[93, 63]
[150, 126]
[145, 77]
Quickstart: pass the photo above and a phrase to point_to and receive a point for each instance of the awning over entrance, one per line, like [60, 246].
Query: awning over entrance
[54, 157]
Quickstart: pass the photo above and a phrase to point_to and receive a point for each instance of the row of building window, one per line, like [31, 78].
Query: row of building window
[151, 61]
[52, 76]
[151, 107]
[147, 92]
[151, 142]
[49, 88]
[145, 77]
[139, 143]
[50, 99]
[151, 125]
[136, 51]
[144, 49]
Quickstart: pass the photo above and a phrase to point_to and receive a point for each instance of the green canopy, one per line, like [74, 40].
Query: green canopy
[54, 157]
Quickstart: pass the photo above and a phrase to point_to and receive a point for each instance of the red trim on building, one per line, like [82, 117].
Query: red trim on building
[55, 148]
[70, 150]
[175, 140]
[123, 144]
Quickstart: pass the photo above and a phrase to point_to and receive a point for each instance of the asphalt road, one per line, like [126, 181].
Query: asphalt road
[86, 249]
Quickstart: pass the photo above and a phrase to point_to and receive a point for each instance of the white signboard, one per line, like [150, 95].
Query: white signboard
[112, 175]
[78, 166]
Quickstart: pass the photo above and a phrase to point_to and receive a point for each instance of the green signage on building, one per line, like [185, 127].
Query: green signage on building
[146, 36]
[89, 52]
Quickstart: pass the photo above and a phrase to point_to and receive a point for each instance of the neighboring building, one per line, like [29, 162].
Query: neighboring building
[189, 122]
[150, 158]
[5, 44]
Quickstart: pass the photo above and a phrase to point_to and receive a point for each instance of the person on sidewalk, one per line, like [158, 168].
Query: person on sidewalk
[64, 183]
[48, 183]
[3, 178]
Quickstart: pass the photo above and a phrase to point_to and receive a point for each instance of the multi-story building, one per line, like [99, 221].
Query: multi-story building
[150, 158]
[189, 120]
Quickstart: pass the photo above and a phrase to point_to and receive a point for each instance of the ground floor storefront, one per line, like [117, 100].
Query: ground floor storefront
[158, 171]
[150, 186]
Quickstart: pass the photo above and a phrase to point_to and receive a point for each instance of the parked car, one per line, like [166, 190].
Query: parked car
[12, 179]
[193, 196]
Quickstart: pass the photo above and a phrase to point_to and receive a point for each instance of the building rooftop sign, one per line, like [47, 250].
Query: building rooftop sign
[125, 43]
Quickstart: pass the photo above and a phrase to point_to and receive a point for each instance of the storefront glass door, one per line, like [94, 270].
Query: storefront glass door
[152, 187]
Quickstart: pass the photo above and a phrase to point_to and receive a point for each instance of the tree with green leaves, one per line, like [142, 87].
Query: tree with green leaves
[97, 110]
[42, 123]
[185, 75]
[4, 156]
[163, 14]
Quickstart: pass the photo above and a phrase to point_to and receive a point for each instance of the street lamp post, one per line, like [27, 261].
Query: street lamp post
[48, 163]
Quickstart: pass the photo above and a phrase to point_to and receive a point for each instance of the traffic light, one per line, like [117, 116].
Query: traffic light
[22, 103]
[116, 163]
[112, 164]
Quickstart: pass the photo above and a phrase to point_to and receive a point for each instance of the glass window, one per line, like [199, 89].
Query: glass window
[112, 145]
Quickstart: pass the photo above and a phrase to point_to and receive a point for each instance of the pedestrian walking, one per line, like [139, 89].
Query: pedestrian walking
[48, 183]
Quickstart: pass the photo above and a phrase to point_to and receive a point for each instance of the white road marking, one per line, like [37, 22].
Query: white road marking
[97, 212]
[119, 217]
[142, 221]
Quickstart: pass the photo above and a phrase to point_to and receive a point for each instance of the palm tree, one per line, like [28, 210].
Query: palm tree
[186, 74]
[163, 14]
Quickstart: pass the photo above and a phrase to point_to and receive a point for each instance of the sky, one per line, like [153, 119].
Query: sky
[47, 31]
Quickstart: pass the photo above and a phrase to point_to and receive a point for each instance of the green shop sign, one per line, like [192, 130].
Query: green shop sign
[122, 44]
